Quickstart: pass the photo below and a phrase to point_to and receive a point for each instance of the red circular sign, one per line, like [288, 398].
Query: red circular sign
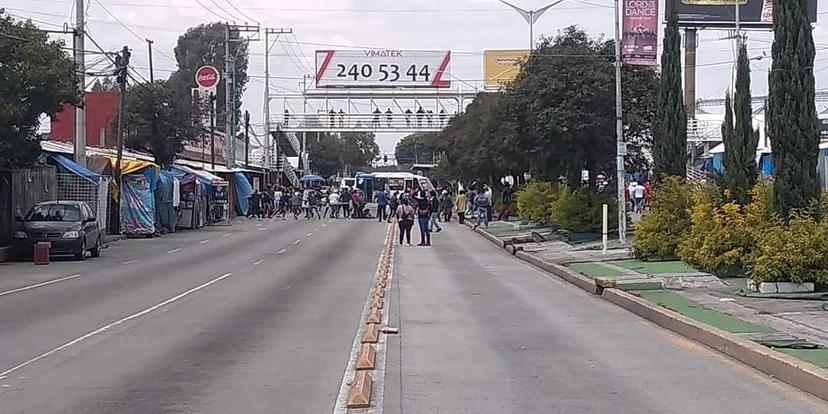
[207, 77]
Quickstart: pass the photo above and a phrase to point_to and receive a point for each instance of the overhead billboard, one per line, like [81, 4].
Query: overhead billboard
[501, 67]
[722, 13]
[371, 68]
[639, 44]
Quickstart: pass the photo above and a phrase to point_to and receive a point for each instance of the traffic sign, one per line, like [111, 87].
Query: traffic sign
[207, 77]
[383, 68]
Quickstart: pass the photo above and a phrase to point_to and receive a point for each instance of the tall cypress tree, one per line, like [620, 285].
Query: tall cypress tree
[792, 123]
[740, 146]
[670, 124]
[725, 179]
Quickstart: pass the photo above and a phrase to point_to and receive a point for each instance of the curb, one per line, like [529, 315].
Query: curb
[562, 272]
[800, 374]
[492, 238]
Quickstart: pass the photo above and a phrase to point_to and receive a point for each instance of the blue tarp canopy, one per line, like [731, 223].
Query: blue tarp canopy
[243, 191]
[76, 168]
[310, 178]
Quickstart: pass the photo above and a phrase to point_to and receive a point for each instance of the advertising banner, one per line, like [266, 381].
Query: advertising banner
[371, 68]
[639, 45]
[501, 67]
[722, 13]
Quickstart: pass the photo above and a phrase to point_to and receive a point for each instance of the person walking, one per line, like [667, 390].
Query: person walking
[405, 220]
[285, 203]
[638, 196]
[355, 203]
[296, 205]
[423, 214]
[333, 201]
[470, 197]
[460, 204]
[382, 204]
[434, 210]
[483, 204]
[393, 203]
[490, 195]
[345, 202]
[314, 200]
[254, 205]
[446, 206]
[506, 203]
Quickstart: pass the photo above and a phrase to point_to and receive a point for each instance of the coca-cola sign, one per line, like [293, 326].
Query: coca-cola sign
[207, 77]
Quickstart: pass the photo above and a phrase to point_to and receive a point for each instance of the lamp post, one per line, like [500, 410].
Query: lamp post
[531, 16]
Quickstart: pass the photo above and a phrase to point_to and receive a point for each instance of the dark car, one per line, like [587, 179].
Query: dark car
[69, 226]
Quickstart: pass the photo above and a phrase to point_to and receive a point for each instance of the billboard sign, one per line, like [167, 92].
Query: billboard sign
[722, 13]
[372, 68]
[639, 45]
[501, 67]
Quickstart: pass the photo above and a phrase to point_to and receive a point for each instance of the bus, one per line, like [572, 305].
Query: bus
[392, 182]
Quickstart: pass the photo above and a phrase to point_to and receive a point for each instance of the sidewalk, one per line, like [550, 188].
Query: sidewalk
[798, 328]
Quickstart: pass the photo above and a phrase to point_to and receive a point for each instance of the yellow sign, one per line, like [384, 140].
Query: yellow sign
[501, 67]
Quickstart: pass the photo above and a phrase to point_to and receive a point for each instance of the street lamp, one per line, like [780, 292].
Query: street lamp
[531, 16]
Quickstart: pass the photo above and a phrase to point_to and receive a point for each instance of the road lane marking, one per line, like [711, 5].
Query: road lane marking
[129, 262]
[316, 229]
[309, 234]
[204, 241]
[113, 324]
[297, 242]
[176, 250]
[258, 262]
[226, 234]
[281, 251]
[46, 283]
[325, 225]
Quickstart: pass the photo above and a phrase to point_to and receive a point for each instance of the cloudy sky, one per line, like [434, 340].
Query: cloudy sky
[467, 27]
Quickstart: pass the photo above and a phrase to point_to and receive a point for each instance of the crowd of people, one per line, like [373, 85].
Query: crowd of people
[426, 208]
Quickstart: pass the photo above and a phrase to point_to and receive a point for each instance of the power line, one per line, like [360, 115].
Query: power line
[202, 6]
[129, 29]
[241, 12]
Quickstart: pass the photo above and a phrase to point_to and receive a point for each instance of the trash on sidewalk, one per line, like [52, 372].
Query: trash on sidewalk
[389, 330]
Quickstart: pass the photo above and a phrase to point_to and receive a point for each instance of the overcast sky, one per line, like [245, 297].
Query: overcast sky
[467, 27]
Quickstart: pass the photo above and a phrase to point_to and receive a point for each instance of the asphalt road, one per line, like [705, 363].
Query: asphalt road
[260, 317]
[482, 332]
[245, 319]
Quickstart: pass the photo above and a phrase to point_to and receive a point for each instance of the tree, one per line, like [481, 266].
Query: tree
[330, 154]
[741, 140]
[670, 125]
[414, 148]
[791, 122]
[204, 45]
[358, 150]
[37, 77]
[158, 120]
[559, 107]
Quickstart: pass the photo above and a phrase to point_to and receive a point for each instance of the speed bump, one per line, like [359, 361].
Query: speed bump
[360, 394]
[371, 334]
[367, 356]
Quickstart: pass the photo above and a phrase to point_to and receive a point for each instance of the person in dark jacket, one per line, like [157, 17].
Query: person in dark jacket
[446, 206]
[382, 204]
[423, 215]
[434, 209]
[506, 203]
[254, 205]
[393, 203]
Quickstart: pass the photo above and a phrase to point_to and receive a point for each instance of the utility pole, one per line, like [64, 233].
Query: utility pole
[621, 146]
[246, 139]
[271, 149]
[212, 131]
[122, 65]
[149, 49]
[229, 93]
[80, 69]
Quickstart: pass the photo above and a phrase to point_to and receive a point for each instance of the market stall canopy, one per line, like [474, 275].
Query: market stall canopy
[76, 168]
[311, 178]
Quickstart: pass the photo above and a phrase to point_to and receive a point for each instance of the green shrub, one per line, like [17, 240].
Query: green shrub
[533, 201]
[796, 251]
[660, 230]
[580, 210]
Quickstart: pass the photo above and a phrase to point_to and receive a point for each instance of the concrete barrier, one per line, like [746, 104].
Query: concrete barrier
[367, 357]
[359, 395]
[800, 374]
[576, 279]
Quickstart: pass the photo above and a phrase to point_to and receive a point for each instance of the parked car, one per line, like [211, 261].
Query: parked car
[70, 227]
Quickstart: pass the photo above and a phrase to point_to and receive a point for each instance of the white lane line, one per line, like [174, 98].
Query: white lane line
[297, 242]
[46, 283]
[204, 241]
[309, 234]
[113, 324]
[129, 262]
[176, 250]
[325, 225]
[281, 251]
[262, 228]
[226, 234]
[258, 262]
